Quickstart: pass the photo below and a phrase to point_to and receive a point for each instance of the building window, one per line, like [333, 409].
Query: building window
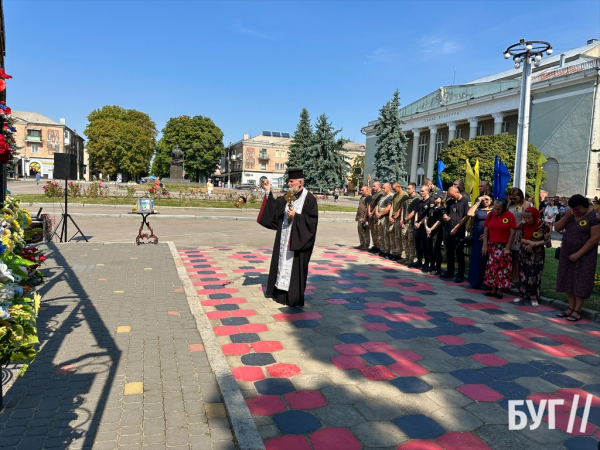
[439, 144]
[458, 134]
[34, 133]
[504, 129]
[276, 166]
[277, 153]
[263, 166]
[420, 177]
[35, 148]
[598, 179]
[480, 130]
[422, 149]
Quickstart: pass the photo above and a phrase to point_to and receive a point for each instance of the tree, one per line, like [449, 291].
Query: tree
[485, 148]
[390, 157]
[120, 140]
[300, 142]
[358, 166]
[200, 140]
[325, 167]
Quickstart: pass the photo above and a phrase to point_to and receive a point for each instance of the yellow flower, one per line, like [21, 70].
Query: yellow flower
[536, 235]
[583, 223]
[518, 208]
[505, 220]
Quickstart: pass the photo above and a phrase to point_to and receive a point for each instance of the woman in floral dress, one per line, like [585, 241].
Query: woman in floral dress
[498, 237]
[578, 254]
[534, 236]
[516, 205]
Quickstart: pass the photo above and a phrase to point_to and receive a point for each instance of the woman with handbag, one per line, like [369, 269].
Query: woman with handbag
[578, 255]
[498, 237]
[477, 262]
[534, 236]
[516, 205]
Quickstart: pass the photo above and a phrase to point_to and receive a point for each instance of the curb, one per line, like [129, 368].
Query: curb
[191, 208]
[189, 216]
[244, 428]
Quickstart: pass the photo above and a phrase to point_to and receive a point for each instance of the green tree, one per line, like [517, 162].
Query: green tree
[325, 167]
[358, 166]
[161, 163]
[120, 140]
[300, 142]
[200, 140]
[484, 149]
[390, 156]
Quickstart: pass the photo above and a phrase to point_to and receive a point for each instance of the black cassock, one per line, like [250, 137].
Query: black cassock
[302, 240]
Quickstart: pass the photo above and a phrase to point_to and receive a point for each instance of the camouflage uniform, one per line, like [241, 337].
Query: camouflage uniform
[373, 228]
[408, 232]
[361, 212]
[396, 237]
[383, 224]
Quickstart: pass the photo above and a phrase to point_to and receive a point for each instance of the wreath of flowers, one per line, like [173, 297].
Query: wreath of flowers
[583, 223]
[8, 145]
[536, 234]
[505, 220]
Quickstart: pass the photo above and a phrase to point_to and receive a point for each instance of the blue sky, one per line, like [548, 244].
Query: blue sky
[252, 65]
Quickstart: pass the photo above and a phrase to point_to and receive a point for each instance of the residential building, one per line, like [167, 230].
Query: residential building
[248, 160]
[39, 138]
[564, 119]
[351, 151]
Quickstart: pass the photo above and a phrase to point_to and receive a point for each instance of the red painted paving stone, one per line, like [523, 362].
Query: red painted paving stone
[235, 349]
[378, 347]
[305, 399]
[196, 347]
[64, 370]
[377, 373]
[405, 355]
[179, 290]
[421, 445]
[310, 315]
[336, 301]
[334, 439]
[287, 443]
[569, 393]
[478, 306]
[218, 314]
[451, 340]
[102, 279]
[283, 370]
[463, 321]
[253, 328]
[462, 441]
[376, 326]
[490, 359]
[91, 305]
[266, 405]
[562, 423]
[248, 373]
[226, 330]
[348, 362]
[564, 408]
[234, 301]
[211, 302]
[533, 309]
[594, 333]
[173, 313]
[349, 349]
[480, 392]
[286, 317]
[243, 312]
[408, 369]
[266, 346]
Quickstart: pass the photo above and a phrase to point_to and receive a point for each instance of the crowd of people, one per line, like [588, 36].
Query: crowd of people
[507, 237]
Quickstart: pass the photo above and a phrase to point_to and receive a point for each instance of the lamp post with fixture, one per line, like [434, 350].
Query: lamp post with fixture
[526, 53]
[230, 158]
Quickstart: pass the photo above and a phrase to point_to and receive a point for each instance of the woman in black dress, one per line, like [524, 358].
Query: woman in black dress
[477, 262]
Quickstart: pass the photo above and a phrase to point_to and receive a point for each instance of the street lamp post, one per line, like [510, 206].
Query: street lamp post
[230, 158]
[526, 53]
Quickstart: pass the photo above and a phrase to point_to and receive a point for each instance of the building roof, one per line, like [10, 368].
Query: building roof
[571, 57]
[33, 117]
[354, 147]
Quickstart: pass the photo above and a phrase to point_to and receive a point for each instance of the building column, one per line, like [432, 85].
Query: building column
[498, 120]
[431, 155]
[473, 121]
[451, 131]
[415, 154]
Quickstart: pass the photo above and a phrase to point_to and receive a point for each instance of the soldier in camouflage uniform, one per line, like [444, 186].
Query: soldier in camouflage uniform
[362, 218]
[409, 209]
[395, 211]
[375, 197]
[382, 213]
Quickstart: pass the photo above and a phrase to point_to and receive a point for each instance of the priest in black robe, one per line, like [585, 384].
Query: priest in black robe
[296, 230]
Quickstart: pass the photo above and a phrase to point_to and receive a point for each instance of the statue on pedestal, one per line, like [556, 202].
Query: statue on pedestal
[177, 164]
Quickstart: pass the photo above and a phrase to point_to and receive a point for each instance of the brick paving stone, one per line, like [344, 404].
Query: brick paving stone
[88, 362]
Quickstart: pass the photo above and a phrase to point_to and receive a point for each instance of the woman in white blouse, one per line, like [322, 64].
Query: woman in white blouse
[550, 213]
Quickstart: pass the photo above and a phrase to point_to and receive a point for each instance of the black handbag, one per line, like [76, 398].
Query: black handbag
[557, 253]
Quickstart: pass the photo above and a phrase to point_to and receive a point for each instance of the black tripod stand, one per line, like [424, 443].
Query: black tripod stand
[62, 224]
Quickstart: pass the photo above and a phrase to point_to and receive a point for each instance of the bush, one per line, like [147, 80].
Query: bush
[53, 190]
[96, 189]
[74, 189]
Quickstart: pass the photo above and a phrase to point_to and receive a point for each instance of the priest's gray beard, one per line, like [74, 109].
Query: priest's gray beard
[286, 256]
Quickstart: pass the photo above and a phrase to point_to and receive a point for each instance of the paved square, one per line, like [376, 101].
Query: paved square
[383, 356]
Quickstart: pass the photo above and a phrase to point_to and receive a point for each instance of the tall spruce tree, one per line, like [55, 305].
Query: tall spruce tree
[390, 157]
[300, 142]
[325, 166]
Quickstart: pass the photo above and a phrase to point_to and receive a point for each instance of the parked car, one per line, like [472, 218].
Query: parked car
[249, 186]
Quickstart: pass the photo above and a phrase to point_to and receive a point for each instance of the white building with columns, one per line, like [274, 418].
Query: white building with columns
[564, 122]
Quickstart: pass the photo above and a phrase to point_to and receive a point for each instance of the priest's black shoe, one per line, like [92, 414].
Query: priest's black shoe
[374, 250]
[426, 269]
[415, 265]
[447, 275]
[459, 279]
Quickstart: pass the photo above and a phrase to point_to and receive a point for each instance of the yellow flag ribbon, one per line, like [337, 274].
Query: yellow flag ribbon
[538, 179]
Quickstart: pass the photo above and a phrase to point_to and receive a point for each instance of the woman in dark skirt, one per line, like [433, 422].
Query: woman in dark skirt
[477, 262]
[534, 237]
[578, 254]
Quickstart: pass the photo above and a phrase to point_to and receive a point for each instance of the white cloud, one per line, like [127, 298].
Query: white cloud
[242, 29]
[438, 45]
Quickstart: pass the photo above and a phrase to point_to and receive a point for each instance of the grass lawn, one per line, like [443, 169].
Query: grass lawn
[41, 198]
[549, 282]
